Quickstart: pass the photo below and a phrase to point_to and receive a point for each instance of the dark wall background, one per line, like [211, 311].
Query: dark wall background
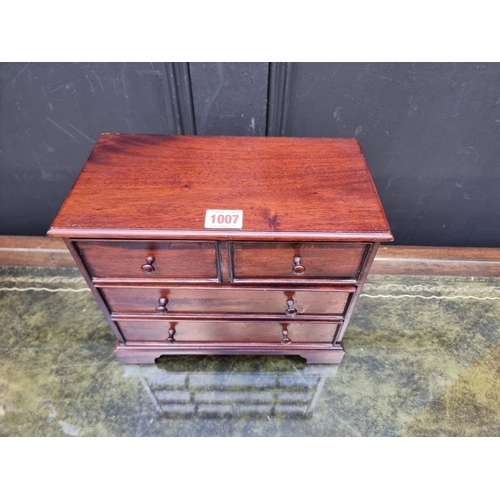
[430, 132]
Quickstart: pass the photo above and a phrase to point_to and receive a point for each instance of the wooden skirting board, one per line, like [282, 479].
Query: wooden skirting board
[439, 261]
[34, 251]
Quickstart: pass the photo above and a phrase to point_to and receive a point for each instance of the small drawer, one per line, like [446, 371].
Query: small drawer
[145, 260]
[228, 332]
[223, 300]
[297, 262]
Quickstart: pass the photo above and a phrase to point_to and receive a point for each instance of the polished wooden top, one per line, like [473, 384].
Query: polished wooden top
[160, 186]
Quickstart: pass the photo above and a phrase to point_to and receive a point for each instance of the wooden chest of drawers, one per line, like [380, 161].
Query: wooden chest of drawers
[274, 267]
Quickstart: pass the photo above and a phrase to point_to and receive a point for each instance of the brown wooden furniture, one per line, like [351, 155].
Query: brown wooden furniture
[283, 278]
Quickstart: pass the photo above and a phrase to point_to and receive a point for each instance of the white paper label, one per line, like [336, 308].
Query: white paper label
[224, 219]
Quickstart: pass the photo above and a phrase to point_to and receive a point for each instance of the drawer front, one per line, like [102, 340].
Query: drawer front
[297, 261]
[177, 260]
[228, 331]
[218, 300]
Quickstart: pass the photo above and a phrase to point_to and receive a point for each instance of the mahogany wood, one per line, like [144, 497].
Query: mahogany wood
[168, 259]
[223, 317]
[221, 301]
[145, 353]
[280, 261]
[298, 268]
[219, 235]
[40, 251]
[281, 184]
[225, 260]
[95, 292]
[285, 283]
[228, 331]
[354, 297]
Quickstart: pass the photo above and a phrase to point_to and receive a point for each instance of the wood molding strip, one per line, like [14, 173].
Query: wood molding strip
[215, 234]
[34, 251]
[279, 98]
[213, 317]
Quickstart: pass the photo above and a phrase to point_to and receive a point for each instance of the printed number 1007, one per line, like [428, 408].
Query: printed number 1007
[224, 219]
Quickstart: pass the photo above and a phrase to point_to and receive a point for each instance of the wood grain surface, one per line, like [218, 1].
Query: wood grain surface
[233, 331]
[141, 186]
[225, 300]
[276, 260]
[438, 261]
[147, 352]
[34, 251]
[40, 251]
[172, 259]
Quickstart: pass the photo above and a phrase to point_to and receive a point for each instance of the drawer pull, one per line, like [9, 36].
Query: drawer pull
[148, 268]
[171, 334]
[162, 305]
[291, 311]
[298, 268]
[285, 340]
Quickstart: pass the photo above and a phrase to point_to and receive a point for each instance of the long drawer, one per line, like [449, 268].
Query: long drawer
[223, 300]
[228, 331]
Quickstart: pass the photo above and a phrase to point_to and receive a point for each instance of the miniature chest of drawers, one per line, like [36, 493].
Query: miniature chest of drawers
[224, 245]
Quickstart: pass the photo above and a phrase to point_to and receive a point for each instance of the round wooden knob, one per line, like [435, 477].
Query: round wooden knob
[148, 268]
[285, 340]
[291, 311]
[162, 303]
[298, 268]
[171, 333]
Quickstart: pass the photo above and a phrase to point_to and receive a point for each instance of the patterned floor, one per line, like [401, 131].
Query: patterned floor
[422, 359]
